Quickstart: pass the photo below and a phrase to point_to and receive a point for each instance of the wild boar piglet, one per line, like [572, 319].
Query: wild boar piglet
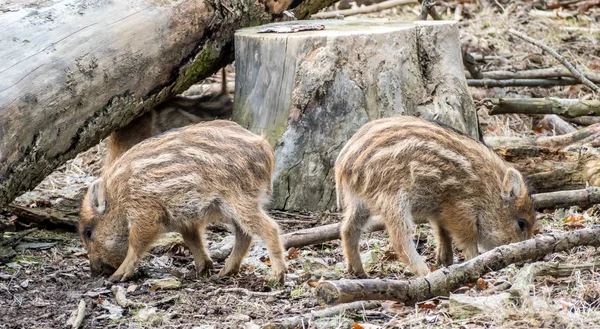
[178, 182]
[408, 170]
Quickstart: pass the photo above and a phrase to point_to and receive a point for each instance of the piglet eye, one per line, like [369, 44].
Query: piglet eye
[522, 224]
[88, 233]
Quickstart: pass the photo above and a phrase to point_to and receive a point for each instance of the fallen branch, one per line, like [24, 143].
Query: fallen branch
[445, 280]
[564, 107]
[364, 10]
[560, 58]
[244, 292]
[590, 134]
[583, 198]
[490, 83]
[549, 73]
[428, 8]
[302, 321]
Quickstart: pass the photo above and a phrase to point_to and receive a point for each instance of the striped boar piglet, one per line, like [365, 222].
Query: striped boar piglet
[178, 182]
[408, 170]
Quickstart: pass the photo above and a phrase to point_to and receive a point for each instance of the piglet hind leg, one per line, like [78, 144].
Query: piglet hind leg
[397, 218]
[194, 239]
[356, 215]
[255, 221]
[243, 242]
[445, 254]
[141, 236]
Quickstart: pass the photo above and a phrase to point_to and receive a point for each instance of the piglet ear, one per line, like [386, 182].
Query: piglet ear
[97, 196]
[513, 185]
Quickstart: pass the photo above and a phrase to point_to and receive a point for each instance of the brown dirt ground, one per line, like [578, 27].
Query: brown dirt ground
[42, 285]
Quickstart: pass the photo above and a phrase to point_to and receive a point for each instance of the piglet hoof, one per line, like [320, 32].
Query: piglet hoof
[116, 278]
[276, 279]
[358, 274]
[228, 272]
[205, 269]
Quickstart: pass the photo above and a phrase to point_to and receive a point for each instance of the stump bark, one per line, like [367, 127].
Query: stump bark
[308, 92]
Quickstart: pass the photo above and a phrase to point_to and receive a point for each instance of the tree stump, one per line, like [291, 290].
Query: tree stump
[308, 92]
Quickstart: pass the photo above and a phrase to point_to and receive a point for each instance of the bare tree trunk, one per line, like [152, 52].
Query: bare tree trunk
[72, 72]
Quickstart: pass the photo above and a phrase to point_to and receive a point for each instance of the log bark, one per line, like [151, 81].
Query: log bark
[309, 102]
[550, 73]
[72, 72]
[445, 280]
[570, 108]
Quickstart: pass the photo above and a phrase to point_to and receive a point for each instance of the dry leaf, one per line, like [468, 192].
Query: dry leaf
[392, 306]
[293, 253]
[268, 261]
[389, 255]
[312, 283]
[574, 222]
[427, 305]
[356, 326]
[481, 284]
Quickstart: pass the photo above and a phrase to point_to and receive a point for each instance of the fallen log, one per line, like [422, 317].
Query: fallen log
[550, 73]
[570, 108]
[583, 198]
[492, 83]
[445, 280]
[69, 81]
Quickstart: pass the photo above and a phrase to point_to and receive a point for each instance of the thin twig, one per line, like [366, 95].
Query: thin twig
[364, 10]
[245, 292]
[490, 83]
[560, 58]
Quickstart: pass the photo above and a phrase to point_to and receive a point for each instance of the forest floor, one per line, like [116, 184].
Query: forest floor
[42, 285]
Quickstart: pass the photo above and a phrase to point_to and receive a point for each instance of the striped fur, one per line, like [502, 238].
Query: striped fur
[408, 170]
[179, 181]
[178, 111]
